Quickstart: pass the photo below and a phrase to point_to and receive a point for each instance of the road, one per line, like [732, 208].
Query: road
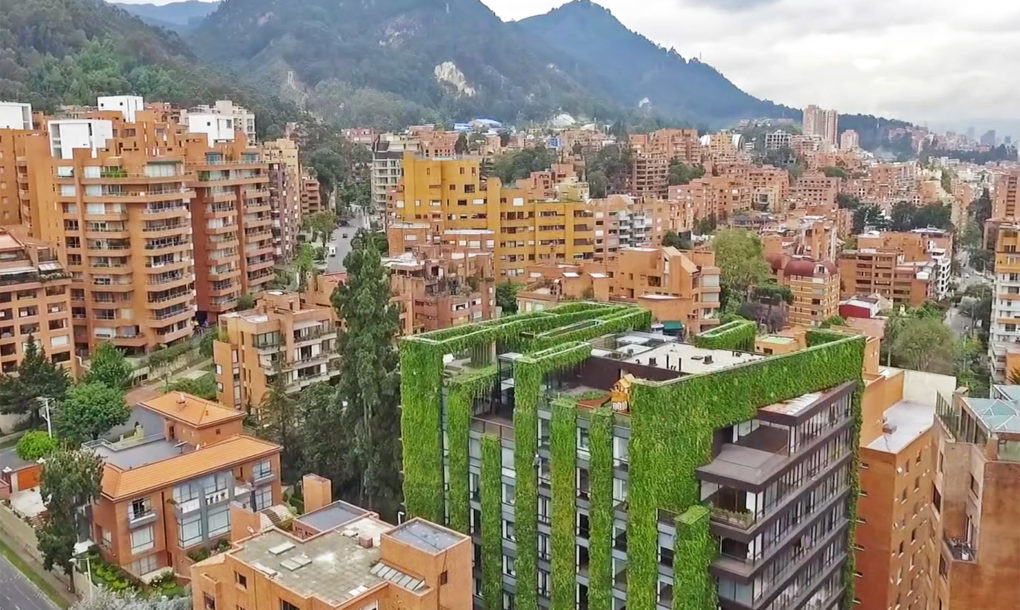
[343, 244]
[18, 593]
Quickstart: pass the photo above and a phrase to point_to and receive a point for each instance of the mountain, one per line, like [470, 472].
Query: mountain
[176, 16]
[55, 52]
[391, 62]
[603, 55]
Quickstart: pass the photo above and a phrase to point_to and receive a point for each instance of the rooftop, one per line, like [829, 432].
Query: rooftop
[425, 536]
[666, 352]
[331, 566]
[191, 410]
[905, 421]
[996, 414]
[332, 516]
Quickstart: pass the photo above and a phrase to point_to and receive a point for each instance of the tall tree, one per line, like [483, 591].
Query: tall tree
[327, 453]
[109, 366]
[922, 344]
[36, 378]
[369, 382]
[739, 254]
[70, 481]
[506, 297]
[279, 416]
[461, 145]
[322, 224]
[90, 410]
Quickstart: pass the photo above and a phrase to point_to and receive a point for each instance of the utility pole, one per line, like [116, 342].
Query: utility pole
[46, 414]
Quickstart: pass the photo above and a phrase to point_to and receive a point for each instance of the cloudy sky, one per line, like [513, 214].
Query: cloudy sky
[945, 63]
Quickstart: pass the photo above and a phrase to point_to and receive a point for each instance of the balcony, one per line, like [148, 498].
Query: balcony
[961, 550]
[141, 519]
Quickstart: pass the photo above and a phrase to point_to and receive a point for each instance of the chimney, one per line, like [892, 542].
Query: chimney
[365, 541]
[317, 492]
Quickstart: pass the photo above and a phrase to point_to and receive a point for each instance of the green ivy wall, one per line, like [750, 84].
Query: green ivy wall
[563, 546]
[491, 490]
[600, 521]
[735, 335]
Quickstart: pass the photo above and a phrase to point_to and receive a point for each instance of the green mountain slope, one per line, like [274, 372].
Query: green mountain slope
[592, 45]
[176, 16]
[387, 62]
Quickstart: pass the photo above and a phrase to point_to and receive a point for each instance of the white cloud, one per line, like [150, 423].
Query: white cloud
[943, 61]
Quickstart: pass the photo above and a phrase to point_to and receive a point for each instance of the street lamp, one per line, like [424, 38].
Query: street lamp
[88, 572]
[46, 414]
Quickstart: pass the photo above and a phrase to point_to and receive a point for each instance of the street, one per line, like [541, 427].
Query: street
[343, 244]
[17, 592]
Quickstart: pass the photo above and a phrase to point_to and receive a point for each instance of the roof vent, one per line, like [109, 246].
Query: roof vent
[365, 542]
[708, 359]
[181, 399]
[281, 548]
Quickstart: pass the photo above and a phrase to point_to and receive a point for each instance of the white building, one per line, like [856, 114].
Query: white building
[15, 116]
[127, 105]
[777, 140]
[216, 127]
[69, 134]
[241, 119]
[387, 165]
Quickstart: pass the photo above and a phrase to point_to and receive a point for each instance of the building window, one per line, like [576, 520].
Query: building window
[141, 540]
[144, 565]
[286, 605]
[974, 487]
[444, 578]
[241, 580]
[219, 521]
[263, 498]
[210, 601]
[262, 469]
[189, 530]
[140, 507]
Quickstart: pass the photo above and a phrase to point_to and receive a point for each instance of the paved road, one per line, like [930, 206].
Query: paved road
[343, 244]
[18, 593]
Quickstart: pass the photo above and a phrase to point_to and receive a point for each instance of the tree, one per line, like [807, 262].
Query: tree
[902, 216]
[833, 321]
[70, 481]
[922, 344]
[738, 253]
[322, 224]
[681, 173]
[847, 202]
[506, 297]
[245, 302]
[34, 445]
[278, 415]
[103, 599]
[205, 345]
[369, 386]
[110, 367]
[706, 225]
[325, 452]
[673, 240]
[36, 378]
[90, 410]
[461, 145]
[832, 171]
[519, 164]
[947, 181]
[868, 216]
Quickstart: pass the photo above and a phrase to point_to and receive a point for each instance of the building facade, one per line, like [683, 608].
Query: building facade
[584, 476]
[284, 195]
[1004, 334]
[815, 287]
[884, 272]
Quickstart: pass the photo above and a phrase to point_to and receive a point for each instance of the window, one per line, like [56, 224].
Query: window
[263, 498]
[144, 565]
[210, 601]
[974, 487]
[444, 578]
[219, 521]
[140, 507]
[241, 580]
[285, 605]
[141, 540]
[189, 530]
[262, 469]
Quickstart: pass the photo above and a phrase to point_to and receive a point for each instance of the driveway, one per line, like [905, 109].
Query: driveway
[17, 592]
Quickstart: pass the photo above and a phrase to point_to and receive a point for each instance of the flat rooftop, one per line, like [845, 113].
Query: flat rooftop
[331, 566]
[128, 454]
[425, 536]
[905, 421]
[666, 352]
[332, 516]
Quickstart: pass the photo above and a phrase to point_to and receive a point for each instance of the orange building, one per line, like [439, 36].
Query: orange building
[35, 301]
[933, 246]
[283, 335]
[168, 478]
[311, 196]
[814, 190]
[284, 194]
[884, 272]
[340, 556]
[1004, 331]
[976, 500]
[815, 288]
[1004, 199]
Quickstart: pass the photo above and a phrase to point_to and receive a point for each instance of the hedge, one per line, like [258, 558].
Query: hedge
[460, 397]
[491, 489]
[736, 335]
[563, 542]
[600, 521]
[672, 425]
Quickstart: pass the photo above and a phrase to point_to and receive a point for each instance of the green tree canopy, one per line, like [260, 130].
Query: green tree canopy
[739, 255]
[34, 445]
[279, 416]
[506, 297]
[681, 173]
[245, 302]
[70, 480]
[91, 409]
[322, 224]
[36, 378]
[511, 166]
[922, 344]
[109, 366]
[673, 240]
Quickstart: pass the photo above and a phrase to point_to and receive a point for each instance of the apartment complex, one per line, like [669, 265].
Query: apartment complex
[918, 246]
[339, 556]
[652, 473]
[168, 479]
[1004, 197]
[815, 287]
[283, 335]
[387, 165]
[975, 501]
[311, 196]
[285, 193]
[821, 123]
[446, 202]
[868, 271]
[438, 289]
[35, 302]
[233, 117]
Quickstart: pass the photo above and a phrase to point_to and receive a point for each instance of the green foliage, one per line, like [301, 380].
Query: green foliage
[563, 451]
[70, 481]
[831, 171]
[672, 425]
[600, 518]
[491, 489]
[834, 321]
[735, 335]
[203, 387]
[672, 240]
[921, 344]
[739, 254]
[506, 296]
[680, 173]
[246, 302]
[970, 366]
[869, 216]
[37, 379]
[278, 415]
[511, 166]
[460, 397]
[91, 409]
[205, 344]
[906, 216]
[109, 366]
[369, 381]
[322, 224]
[35, 444]
[608, 171]
[847, 202]
[706, 225]
[694, 539]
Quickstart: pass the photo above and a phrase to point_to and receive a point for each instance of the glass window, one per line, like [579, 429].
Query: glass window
[141, 540]
[262, 469]
[189, 530]
[185, 492]
[219, 521]
[263, 498]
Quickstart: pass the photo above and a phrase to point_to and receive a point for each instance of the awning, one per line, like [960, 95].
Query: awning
[672, 325]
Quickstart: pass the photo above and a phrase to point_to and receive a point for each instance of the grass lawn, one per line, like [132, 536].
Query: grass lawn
[33, 576]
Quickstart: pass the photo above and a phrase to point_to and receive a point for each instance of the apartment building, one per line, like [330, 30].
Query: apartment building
[821, 123]
[815, 286]
[16, 116]
[311, 196]
[231, 116]
[446, 201]
[1004, 196]
[283, 335]
[975, 501]
[232, 224]
[849, 140]
[896, 547]
[438, 289]
[339, 556]
[869, 271]
[387, 165]
[169, 476]
[284, 194]
[1004, 336]
[621, 487]
[16, 123]
[814, 190]
[649, 175]
[918, 246]
[35, 302]
[711, 196]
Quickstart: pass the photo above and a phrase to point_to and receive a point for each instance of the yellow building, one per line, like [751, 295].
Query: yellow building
[1004, 333]
[446, 201]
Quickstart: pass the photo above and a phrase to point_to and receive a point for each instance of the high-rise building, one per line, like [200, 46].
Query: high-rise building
[311, 196]
[823, 124]
[1005, 197]
[815, 288]
[884, 271]
[284, 194]
[988, 138]
[1004, 331]
[387, 165]
[220, 121]
[849, 140]
[976, 502]
[283, 335]
[600, 464]
[918, 246]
